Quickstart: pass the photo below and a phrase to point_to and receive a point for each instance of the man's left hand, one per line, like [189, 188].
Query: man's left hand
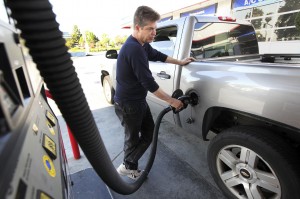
[187, 61]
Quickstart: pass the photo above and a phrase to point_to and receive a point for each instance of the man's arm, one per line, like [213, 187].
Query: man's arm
[177, 104]
[180, 62]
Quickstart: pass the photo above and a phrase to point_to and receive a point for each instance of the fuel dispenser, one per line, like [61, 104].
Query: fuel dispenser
[33, 162]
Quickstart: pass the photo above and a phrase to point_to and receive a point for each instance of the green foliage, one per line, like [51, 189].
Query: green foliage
[91, 38]
[104, 41]
[119, 40]
[78, 42]
[76, 49]
[75, 36]
[69, 43]
[81, 41]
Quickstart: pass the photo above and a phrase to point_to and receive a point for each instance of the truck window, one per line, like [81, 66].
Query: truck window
[165, 40]
[223, 39]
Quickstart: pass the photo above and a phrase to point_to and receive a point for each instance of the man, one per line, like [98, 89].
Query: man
[134, 79]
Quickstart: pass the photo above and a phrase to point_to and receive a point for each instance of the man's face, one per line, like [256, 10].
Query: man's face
[147, 33]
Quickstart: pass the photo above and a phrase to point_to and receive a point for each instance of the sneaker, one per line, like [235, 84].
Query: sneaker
[133, 174]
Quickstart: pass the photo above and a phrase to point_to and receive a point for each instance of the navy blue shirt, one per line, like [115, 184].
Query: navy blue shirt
[134, 78]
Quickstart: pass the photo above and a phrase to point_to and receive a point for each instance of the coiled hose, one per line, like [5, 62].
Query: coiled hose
[41, 33]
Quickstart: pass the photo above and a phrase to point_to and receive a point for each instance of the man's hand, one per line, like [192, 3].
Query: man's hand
[177, 104]
[180, 62]
[186, 61]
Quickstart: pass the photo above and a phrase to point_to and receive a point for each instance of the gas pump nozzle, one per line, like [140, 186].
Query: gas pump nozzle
[191, 99]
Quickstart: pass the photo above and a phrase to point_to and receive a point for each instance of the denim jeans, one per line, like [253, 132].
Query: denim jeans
[138, 124]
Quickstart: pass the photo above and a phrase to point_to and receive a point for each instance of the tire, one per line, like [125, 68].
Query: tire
[249, 162]
[108, 90]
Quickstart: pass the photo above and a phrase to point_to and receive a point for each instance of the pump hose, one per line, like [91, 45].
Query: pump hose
[39, 29]
[155, 138]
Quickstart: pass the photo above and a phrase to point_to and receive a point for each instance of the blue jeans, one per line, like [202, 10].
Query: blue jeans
[138, 124]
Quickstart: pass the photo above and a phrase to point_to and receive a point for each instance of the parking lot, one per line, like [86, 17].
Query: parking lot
[179, 171]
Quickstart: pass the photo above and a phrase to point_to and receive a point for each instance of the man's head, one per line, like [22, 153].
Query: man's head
[144, 23]
[144, 15]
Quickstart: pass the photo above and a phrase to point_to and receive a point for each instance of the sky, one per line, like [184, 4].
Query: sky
[101, 16]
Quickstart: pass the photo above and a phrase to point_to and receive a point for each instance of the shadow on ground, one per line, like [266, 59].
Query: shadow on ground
[179, 171]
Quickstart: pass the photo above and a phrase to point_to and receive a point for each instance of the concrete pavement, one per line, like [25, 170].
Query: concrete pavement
[179, 171]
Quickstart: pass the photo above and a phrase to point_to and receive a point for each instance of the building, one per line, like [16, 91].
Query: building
[66, 35]
[276, 22]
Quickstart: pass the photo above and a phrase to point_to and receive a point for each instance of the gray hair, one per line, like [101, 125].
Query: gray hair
[143, 15]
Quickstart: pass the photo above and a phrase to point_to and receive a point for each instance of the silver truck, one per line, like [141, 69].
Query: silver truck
[248, 104]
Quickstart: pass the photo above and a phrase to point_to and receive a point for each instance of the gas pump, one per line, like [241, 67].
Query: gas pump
[33, 162]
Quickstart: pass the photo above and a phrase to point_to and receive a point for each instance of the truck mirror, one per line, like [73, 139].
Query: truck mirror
[111, 54]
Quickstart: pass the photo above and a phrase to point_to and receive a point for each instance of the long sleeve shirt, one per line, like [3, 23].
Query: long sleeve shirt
[134, 78]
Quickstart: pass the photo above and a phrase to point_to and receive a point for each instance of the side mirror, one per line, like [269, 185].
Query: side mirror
[111, 54]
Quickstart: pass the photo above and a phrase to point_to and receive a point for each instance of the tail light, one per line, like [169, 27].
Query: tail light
[224, 18]
[126, 27]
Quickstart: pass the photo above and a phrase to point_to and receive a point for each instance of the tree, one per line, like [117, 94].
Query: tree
[112, 44]
[81, 41]
[75, 36]
[119, 40]
[69, 43]
[104, 41]
[91, 39]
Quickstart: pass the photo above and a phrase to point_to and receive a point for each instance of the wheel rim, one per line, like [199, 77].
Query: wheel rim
[246, 174]
[107, 91]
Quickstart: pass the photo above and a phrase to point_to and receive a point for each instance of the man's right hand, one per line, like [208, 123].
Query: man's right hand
[177, 104]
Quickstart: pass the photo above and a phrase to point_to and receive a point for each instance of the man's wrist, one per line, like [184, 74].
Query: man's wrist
[170, 100]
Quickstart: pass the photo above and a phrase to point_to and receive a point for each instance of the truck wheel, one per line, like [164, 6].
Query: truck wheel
[108, 90]
[249, 162]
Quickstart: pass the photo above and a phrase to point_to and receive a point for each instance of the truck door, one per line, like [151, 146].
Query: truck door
[166, 41]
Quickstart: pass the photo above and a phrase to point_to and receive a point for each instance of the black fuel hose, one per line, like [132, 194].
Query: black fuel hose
[39, 29]
[155, 138]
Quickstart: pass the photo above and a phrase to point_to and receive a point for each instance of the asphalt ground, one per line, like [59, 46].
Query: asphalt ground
[180, 169]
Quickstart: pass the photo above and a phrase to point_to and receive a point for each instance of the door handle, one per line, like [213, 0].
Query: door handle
[163, 75]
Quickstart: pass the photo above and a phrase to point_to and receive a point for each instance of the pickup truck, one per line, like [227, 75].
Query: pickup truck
[248, 103]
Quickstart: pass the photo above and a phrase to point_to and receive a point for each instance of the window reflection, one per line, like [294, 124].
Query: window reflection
[243, 14]
[288, 5]
[263, 35]
[286, 20]
[266, 22]
[257, 23]
[264, 10]
[287, 34]
[278, 21]
[165, 40]
[234, 39]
